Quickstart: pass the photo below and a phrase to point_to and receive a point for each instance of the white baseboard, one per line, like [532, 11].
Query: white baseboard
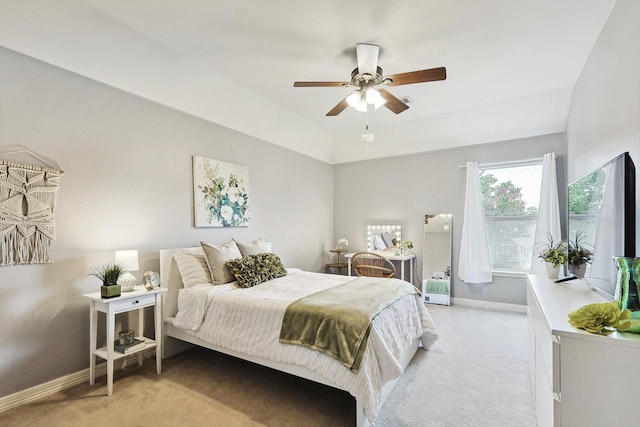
[62, 383]
[489, 304]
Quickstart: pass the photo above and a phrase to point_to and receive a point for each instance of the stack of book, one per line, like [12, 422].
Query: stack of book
[137, 344]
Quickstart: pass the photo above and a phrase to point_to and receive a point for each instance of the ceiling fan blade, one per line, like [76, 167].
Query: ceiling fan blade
[321, 84]
[338, 108]
[421, 76]
[394, 104]
[367, 58]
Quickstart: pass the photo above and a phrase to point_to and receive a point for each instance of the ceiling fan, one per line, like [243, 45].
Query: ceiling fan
[369, 83]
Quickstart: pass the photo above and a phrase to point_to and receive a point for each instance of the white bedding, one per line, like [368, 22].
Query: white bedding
[248, 320]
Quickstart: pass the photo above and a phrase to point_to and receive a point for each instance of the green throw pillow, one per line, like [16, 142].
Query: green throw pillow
[255, 269]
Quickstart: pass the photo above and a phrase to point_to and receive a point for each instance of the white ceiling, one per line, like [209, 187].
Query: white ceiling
[511, 65]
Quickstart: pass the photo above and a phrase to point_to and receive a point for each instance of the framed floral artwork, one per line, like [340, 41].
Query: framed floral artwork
[220, 193]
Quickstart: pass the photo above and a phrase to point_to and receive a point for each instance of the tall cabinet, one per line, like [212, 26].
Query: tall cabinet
[579, 379]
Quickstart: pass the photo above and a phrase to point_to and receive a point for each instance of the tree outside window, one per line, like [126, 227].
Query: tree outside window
[511, 196]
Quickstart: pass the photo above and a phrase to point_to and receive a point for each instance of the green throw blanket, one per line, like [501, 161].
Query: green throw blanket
[337, 321]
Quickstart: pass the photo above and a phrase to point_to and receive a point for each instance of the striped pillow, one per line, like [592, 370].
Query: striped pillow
[193, 269]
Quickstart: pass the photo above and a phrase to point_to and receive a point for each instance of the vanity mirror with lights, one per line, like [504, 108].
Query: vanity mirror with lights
[436, 259]
[383, 237]
[381, 240]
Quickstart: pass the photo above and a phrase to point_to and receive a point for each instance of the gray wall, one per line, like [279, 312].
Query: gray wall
[401, 190]
[127, 185]
[604, 119]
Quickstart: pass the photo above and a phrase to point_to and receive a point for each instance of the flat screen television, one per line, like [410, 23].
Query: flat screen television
[602, 213]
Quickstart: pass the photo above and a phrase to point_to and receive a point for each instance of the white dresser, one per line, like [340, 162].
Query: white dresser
[579, 379]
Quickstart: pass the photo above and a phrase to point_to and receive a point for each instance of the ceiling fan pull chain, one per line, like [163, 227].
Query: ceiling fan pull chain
[367, 136]
[366, 125]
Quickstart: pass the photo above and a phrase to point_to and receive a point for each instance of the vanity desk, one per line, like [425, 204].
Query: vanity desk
[406, 258]
[578, 378]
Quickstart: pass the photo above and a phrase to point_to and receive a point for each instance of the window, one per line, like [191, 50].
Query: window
[511, 196]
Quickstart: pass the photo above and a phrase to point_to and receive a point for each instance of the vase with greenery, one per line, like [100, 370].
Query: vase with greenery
[109, 275]
[554, 254]
[578, 255]
[343, 244]
[403, 244]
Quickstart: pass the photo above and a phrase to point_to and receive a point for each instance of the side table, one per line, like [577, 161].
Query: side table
[128, 301]
[339, 265]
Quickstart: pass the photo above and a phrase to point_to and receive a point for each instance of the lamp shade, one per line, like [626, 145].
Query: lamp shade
[374, 97]
[128, 259]
[355, 100]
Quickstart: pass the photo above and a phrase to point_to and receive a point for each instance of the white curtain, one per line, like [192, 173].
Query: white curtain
[474, 265]
[548, 212]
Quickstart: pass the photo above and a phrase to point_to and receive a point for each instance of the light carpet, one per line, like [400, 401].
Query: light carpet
[475, 375]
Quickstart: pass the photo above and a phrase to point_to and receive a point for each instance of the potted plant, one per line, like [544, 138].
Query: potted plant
[554, 254]
[579, 256]
[109, 275]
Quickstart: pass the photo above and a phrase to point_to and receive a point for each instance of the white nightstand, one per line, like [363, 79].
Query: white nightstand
[128, 301]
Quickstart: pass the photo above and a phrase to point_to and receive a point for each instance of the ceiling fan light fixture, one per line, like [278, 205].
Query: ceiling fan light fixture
[356, 101]
[374, 97]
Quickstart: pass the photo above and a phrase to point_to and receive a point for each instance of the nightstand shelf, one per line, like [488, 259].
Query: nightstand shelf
[137, 299]
[337, 264]
[102, 352]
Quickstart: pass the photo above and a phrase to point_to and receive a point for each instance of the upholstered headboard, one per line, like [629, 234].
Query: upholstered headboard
[170, 277]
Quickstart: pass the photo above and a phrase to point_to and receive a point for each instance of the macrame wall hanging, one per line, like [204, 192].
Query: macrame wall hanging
[27, 206]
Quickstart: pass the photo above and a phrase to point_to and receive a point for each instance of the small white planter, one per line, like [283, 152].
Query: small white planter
[552, 272]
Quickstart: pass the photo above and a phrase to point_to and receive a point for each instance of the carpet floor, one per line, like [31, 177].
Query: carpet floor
[475, 375]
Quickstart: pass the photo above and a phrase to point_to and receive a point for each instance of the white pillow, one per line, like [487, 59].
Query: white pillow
[388, 238]
[193, 269]
[378, 243]
[217, 257]
[256, 247]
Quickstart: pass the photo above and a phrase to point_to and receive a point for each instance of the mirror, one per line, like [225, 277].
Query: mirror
[436, 259]
[381, 237]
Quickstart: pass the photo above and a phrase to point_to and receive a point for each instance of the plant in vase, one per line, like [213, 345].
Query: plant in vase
[401, 245]
[342, 243]
[109, 275]
[578, 256]
[554, 254]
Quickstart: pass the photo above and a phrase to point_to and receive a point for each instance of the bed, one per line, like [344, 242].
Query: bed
[386, 356]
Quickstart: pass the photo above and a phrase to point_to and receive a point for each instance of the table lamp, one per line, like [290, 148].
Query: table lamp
[129, 261]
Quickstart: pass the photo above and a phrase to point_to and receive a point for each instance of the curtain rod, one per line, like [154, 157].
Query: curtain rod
[508, 164]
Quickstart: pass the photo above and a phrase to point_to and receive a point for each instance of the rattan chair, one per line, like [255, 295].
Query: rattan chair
[372, 265]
